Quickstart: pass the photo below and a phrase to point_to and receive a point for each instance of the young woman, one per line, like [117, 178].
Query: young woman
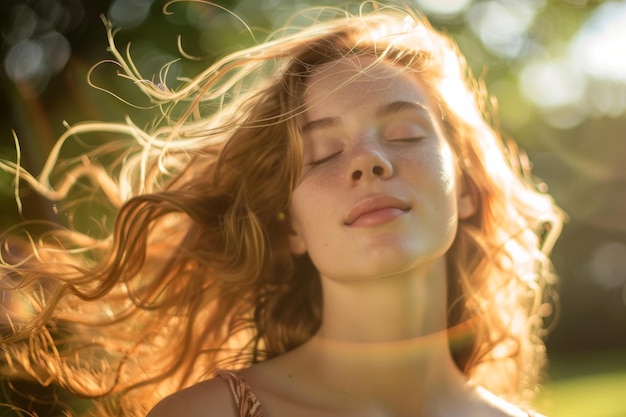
[329, 227]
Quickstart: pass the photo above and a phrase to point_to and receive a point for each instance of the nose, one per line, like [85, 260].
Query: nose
[369, 162]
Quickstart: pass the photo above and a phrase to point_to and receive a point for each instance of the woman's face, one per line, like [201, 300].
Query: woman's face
[379, 190]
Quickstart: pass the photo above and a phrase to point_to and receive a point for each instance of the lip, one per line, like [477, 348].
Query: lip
[376, 209]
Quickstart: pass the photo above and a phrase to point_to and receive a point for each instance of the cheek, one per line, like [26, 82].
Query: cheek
[316, 190]
[448, 170]
[433, 169]
[295, 209]
[306, 206]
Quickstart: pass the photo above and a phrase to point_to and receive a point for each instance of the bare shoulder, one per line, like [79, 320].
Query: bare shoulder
[211, 398]
[502, 408]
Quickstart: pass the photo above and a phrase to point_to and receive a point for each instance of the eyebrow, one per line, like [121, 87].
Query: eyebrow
[384, 110]
[323, 123]
[400, 106]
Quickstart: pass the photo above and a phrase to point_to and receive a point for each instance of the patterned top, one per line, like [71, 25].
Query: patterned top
[245, 400]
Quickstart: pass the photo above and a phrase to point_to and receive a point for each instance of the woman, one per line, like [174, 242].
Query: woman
[343, 236]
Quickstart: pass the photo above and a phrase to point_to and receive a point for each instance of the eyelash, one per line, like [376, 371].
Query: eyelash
[408, 140]
[322, 160]
[329, 157]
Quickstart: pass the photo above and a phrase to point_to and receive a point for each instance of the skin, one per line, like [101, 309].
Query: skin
[382, 349]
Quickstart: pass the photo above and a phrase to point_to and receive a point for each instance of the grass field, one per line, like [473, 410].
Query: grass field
[586, 387]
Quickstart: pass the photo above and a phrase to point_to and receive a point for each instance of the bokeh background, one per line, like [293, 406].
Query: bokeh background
[556, 67]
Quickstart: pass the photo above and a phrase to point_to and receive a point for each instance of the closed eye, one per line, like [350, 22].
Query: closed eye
[322, 160]
[408, 140]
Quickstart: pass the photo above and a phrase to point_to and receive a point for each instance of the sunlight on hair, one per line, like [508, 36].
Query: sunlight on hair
[444, 8]
[400, 35]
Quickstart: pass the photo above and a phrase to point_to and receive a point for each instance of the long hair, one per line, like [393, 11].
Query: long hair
[195, 273]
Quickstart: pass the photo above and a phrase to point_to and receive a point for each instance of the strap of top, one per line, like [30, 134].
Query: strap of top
[245, 400]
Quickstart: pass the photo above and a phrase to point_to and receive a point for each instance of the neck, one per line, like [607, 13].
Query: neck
[384, 338]
[392, 308]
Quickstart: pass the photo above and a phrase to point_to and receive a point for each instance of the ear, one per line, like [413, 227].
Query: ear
[297, 244]
[467, 203]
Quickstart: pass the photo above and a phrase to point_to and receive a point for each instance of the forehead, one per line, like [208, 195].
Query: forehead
[359, 83]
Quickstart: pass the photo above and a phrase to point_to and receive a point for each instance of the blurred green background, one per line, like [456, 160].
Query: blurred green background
[556, 67]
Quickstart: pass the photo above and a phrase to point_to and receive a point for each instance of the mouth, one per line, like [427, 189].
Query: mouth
[375, 210]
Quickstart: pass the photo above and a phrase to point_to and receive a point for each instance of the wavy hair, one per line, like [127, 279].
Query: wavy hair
[196, 274]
